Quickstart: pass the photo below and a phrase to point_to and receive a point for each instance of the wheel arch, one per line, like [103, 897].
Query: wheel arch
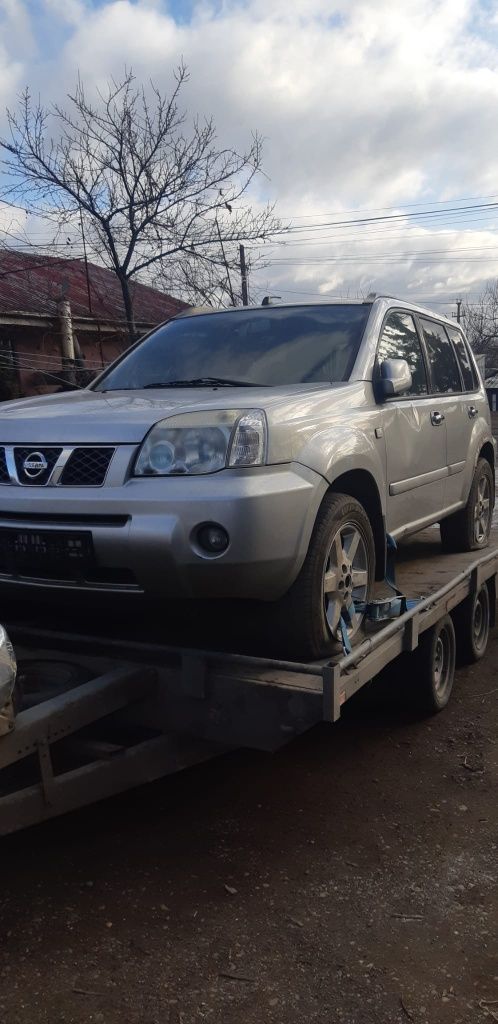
[360, 484]
[487, 452]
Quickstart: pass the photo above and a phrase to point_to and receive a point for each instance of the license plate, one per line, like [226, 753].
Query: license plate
[45, 552]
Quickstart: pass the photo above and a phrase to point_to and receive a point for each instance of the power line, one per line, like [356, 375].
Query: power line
[398, 206]
[8, 362]
[387, 219]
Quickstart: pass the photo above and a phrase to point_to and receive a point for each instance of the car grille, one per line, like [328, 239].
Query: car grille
[4, 473]
[87, 466]
[82, 466]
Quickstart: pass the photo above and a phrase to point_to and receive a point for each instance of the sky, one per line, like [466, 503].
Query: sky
[369, 109]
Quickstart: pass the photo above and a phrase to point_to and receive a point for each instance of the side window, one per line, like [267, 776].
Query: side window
[442, 359]
[464, 360]
[400, 341]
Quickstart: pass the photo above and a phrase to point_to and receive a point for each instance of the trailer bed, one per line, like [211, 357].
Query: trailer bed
[105, 713]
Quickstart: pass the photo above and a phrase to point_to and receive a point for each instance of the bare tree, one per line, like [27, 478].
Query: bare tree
[210, 280]
[154, 194]
[480, 320]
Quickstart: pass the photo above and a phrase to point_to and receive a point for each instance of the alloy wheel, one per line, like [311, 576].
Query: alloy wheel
[345, 579]
[482, 510]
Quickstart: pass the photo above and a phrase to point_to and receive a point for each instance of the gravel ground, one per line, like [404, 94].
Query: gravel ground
[350, 878]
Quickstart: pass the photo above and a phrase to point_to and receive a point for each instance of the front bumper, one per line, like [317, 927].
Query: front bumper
[143, 531]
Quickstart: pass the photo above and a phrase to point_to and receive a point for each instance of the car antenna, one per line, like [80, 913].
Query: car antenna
[268, 299]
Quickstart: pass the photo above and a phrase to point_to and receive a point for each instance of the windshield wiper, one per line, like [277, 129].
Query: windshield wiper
[199, 382]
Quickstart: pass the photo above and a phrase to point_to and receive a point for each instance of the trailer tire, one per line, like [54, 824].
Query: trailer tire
[304, 623]
[432, 667]
[469, 529]
[472, 619]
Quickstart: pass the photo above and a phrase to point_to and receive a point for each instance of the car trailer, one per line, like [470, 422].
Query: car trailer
[99, 715]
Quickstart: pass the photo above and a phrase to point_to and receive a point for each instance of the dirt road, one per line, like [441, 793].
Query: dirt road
[351, 878]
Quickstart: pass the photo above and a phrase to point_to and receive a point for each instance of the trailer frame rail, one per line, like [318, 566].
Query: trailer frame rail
[177, 707]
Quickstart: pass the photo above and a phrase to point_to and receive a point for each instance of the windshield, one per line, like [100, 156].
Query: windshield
[261, 347]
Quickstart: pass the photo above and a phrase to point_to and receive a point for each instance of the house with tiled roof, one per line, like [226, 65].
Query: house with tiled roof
[32, 291]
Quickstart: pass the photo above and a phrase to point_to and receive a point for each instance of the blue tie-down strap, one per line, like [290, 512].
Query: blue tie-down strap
[387, 608]
[383, 609]
[391, 549]
[343, 629]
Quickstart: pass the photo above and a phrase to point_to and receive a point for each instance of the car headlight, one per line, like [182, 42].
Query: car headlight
[203, 442]
[8, 668]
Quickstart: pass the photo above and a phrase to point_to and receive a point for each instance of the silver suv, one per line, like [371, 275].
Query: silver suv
[257, 453]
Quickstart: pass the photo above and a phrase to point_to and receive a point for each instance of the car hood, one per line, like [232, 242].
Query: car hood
[125, 417]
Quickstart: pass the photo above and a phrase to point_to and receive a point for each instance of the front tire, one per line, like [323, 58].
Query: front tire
[469, 529]
[338, 573]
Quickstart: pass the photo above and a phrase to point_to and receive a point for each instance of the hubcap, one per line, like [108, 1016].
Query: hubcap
[442, 663]
[480, 621]
[345, 579]
[482, 510]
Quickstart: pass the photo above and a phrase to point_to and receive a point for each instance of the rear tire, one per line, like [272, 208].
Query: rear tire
[339, 570]
[432, 667]
[472, 621]
[469, 529]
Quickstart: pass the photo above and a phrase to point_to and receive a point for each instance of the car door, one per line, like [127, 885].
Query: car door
[473, 412]
[415, 436]
[447, 387]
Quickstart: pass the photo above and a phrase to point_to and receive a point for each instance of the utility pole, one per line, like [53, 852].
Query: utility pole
[243, 275]
[227, 268]
[67, 339]
[89, 293]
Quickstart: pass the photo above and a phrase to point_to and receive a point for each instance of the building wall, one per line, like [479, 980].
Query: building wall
[32, 356]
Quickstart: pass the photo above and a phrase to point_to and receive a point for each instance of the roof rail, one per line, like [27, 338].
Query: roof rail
[378, 295]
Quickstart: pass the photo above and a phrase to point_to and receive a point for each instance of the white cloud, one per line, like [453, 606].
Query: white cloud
[363, 104]
[70, 11]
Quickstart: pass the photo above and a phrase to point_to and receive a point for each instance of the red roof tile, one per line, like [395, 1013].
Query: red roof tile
[34, 284]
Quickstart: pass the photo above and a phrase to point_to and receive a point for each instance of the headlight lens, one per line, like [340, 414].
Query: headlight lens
[198, 443]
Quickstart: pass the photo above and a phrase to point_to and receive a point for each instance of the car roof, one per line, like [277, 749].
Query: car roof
[388, 301]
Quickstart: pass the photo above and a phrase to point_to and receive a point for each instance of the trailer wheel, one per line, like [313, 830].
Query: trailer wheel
[472, 621]
[433, 666]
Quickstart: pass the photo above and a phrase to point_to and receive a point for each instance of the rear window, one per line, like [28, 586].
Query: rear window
[442, 359]
[469, 378]
[268, 346]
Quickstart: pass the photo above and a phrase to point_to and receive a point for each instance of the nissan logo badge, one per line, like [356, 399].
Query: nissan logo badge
[34, 464]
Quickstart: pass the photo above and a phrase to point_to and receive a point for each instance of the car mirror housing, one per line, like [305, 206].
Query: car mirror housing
[395, 377]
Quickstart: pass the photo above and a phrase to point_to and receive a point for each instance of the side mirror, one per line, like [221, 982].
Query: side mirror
[395, 377]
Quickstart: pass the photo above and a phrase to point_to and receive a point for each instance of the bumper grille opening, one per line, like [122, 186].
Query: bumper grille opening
[59, 519]
[119, 579]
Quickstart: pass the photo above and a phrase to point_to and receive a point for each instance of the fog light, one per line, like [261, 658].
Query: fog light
[213, 538]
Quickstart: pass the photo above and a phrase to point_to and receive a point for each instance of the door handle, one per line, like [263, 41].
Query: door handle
[437, 418]
[472, 411]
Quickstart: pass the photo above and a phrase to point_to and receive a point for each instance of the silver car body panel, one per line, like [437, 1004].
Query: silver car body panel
[316, 433]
